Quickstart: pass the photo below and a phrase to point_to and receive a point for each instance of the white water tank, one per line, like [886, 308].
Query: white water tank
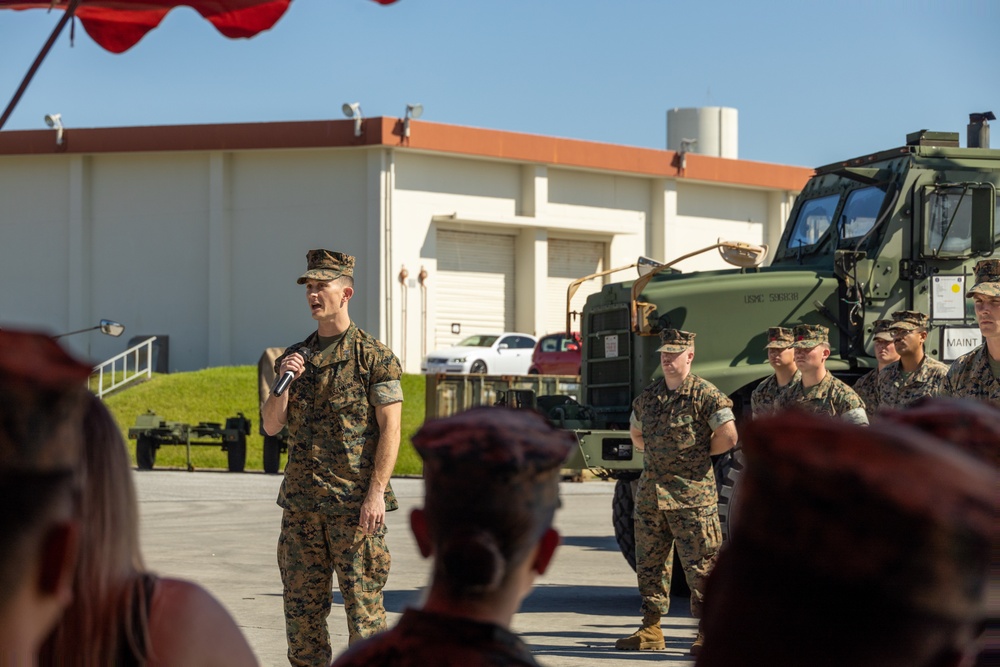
[714, 129]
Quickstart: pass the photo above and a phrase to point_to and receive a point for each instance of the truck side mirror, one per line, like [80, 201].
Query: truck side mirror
[983, 211]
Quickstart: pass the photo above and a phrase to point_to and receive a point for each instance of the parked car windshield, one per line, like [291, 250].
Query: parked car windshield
[478, 341]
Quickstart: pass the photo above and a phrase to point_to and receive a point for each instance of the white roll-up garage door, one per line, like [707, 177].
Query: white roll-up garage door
[474, 285]
[569, 260]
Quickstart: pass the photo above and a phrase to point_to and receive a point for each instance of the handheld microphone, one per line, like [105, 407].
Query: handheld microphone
[281, 384]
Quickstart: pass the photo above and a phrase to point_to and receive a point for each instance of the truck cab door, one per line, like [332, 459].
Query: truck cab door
[954, 228]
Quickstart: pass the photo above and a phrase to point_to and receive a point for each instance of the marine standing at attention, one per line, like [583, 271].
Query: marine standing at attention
[343, 410]
[975, 374]
[781, 356]
[679, 422]
[819, 391]
[915, 375]
[885, 353]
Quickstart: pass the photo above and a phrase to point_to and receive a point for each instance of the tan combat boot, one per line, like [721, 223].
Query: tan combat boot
[699, 641]
[649, 637]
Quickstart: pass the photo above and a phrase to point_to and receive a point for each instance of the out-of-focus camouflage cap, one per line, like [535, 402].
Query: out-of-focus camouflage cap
[810, 335]
[987, 278]
[41, 392]
[675, 340]
[909, 320]
[880, 330]
[779, 337]
[499, 443]
[917, 527]
[327, 265]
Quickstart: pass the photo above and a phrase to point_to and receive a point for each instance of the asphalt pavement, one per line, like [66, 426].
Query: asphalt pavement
[220, 530]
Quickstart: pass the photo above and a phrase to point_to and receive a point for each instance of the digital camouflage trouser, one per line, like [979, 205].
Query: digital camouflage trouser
[311, 548]
[697, 535]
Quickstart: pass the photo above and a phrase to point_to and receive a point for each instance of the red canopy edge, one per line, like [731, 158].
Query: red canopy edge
[117, 25]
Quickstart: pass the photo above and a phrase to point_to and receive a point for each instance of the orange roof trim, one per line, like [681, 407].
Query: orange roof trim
[424, 137]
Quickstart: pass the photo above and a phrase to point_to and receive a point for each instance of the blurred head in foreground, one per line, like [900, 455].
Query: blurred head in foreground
[492, 489]
[853, 546]
[41, 394]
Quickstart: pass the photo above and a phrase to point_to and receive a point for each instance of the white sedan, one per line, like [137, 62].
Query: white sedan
[496, 353]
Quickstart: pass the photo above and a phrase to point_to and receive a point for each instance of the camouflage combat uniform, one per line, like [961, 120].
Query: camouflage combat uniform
[765, 397]
[970, 376]
[333, 436]
[867, 389]
[676, 501]
[897, 389]
[829, 396]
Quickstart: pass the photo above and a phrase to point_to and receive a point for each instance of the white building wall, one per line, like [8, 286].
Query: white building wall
[206, 246]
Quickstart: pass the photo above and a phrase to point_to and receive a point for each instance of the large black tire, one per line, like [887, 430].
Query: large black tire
[272, 454]
[237, 452]
[622, 506]
[727, 475]
[145, 452]
[478, 367]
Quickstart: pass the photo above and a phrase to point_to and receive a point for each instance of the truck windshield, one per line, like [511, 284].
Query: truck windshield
[815, 217]
[860, 212]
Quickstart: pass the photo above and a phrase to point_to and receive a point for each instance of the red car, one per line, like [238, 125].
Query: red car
[557, 354]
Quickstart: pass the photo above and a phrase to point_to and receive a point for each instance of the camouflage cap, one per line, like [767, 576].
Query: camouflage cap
[41, 392]
[501, 443]
[909, 320]
[880, 330]
[987, 278]
[675, 340]
[810, 335]
[916, 527]
[779, 337]
[327, 265]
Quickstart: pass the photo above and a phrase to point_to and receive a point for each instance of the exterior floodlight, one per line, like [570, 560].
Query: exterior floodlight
[54, 120]
[412, 111]
[353, 110]
[107, 327]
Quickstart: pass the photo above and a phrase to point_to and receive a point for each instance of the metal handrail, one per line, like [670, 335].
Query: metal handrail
[123, 358]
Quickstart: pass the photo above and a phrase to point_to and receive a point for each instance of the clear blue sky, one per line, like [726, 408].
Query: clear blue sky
[814, 82]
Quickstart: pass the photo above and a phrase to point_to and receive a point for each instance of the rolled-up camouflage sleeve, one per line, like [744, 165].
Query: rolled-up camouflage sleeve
[856, 416]
[385, 393]
[720, 417]
[386, 386]
[634, 422]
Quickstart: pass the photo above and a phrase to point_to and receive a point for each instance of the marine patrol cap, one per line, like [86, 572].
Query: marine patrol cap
[915, 529]
[909, 320]
[880, 330]
[327, 265]
[987, 278]
[779, 337]
[810, 335]
[675, 340]
[41, 393]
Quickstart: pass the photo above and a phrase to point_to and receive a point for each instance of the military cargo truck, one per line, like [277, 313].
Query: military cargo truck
[898, 229]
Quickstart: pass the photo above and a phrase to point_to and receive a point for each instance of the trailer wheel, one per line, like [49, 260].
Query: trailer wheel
[237, 452]
[622, 506]
[145, 452]
[272, 454]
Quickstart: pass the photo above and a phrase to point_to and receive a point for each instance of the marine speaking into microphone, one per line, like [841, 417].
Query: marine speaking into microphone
[343, 436]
